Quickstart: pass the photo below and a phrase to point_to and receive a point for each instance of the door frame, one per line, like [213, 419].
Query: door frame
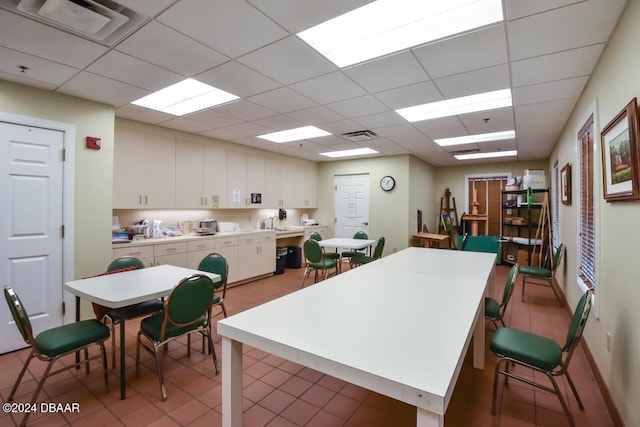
[68, 198]
[479, 175]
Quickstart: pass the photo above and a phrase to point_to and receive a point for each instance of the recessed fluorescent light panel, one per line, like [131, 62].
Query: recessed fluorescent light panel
[305, 132]
[486, 155]
[387, 26]
[470, 139]
[348, 153]
[185, 97]
[451, 107]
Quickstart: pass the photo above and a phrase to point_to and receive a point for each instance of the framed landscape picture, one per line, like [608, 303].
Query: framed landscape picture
[619, 142]
[565, 184]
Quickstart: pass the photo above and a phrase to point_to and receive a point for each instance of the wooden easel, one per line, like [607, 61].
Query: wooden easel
[544, 227]
[446, 208]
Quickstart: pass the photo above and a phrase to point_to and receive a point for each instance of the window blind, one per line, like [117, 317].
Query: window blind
[587, 244]
[555, 201]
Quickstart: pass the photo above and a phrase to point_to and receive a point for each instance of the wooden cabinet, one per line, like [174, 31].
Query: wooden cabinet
[305, 185]
[201, 175]
[144, 170]
[257, 254]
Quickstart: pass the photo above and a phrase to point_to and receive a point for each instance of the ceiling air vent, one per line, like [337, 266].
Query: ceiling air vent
[103, 21]
[469, 151]
[360, 135]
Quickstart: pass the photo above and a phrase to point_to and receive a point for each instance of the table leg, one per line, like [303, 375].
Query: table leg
[77, 320]
[478, 338]
[231, 383]
[429, 419]
[123, 380]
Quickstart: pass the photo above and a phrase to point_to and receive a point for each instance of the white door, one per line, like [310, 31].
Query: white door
[351, 205]
[31, 170]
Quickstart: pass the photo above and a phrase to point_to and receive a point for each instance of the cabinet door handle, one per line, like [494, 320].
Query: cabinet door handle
[146, 199]
[134, 253]
[139, 199]
[171, 249]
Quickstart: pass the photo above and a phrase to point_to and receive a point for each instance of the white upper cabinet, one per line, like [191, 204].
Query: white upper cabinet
[144, 170]
[306, 185]
[246, 179]
[201, 175]
[279, 181]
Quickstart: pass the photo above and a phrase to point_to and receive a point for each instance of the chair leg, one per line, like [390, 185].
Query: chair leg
[565, 408]
[20, 375]
[213, 350]
[495, 387]
[524, 282]
[38, 390]
[105, 365]
[86, 357]
[163, 390]
[305, 276]
[138, 354]
[573, 388]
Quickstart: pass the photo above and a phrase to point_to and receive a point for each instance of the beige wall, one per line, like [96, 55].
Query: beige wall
[391, 214]
[93, 169]
[614, 83]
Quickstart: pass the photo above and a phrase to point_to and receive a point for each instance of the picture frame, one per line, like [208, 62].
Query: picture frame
[619, 146]
[565, 185]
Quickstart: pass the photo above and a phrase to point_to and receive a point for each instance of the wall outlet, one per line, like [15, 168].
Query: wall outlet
[608, 341]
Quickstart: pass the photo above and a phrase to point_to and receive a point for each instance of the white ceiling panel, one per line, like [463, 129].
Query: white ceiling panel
[231, 27]
[474, 82]
[555, 66]
[167, 48]
[390, 72]
[30, 37]
[238, 79]
[544, 51]
[329, 88]
[578, 25]
[480, 49]
[97, 88]
[282, 100]
[288, 61]
[130, 70]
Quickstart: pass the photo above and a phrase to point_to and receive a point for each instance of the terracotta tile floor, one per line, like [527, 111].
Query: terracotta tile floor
[278, 392]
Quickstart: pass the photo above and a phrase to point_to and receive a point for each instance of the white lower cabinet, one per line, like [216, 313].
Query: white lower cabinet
[143, 253]
[199, 249]
[228, 248]
[257, 253]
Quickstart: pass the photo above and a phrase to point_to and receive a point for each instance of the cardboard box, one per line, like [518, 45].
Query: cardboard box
[523, 257]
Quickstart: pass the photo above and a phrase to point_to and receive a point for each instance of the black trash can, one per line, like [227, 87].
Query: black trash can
[294, 257]
[281, 259]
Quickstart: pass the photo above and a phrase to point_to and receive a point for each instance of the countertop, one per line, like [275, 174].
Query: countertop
[290, 231]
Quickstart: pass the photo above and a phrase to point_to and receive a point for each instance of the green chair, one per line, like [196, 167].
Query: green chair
[494, 310]
[117, 315]
[52, 344]
[216, 263]
[364, 259]
[186, 313]
[359, 235]
[330, 255]
[543, 276]
[541, 354]
[316, 261]
[463, 243]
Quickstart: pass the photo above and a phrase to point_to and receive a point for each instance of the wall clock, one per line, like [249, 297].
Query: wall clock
[387, 183]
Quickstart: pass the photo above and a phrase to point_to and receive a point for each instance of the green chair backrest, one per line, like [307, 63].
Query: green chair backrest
[189, 300]
[508, 287]
[127, 262]
[315, 236]
[578, 321]
[558, 257]
[377, 252]
[312, 251]
[19, 314]
[215, 263]
[361, 235]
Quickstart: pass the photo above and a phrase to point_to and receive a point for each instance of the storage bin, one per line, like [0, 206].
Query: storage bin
[281, 259]
[294, 257]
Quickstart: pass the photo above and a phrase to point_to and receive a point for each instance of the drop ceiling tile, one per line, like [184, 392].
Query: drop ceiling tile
[245, 110]
[398, 130]
[555, 66]
[296, 15]
[408, 96]
[375, 121]
[167, 48]
[358, 107]
[282, 100]
[288, 61]
[518, 8]
[444, 127]
[496, 121]
[140, 114]
[315, 115]
[26, 81]
[249, 129]
[21, 34]
[233, 28]
[42, 71]
[280, 122]
[186, 125]
[213, 118]
[558, 89]
[101, 89]
[147, 8]
[329, 88]
[385, 147]
[238, 79]
[135, 72]
[472, 51]
[223, 134]
[388, 72]
[341, 126]
[582, 24]
[474, 82]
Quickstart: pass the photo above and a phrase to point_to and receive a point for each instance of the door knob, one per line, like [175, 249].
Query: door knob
[365, 223]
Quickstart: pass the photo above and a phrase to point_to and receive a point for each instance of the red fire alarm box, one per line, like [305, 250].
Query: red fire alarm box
[93, 142]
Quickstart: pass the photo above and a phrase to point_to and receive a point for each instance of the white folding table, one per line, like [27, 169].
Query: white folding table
[130, 287]
[409, 346]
